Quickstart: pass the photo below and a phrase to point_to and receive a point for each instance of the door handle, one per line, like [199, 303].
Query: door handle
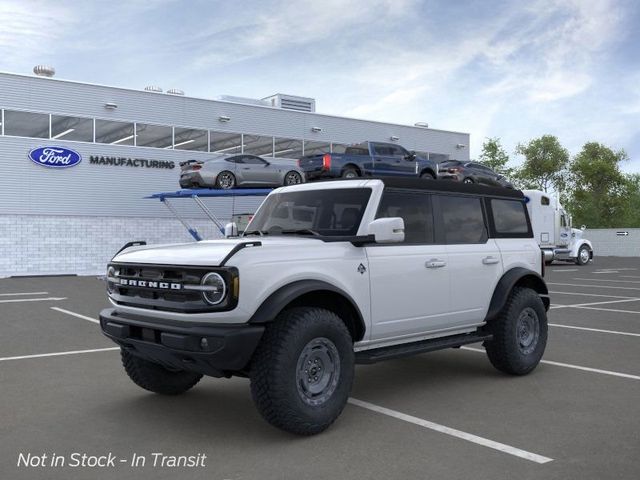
[490, 260]
[435, 263]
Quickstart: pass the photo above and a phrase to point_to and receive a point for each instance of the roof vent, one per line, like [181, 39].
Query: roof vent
[44, 71]
[175, 91]
[153, 88]
[291, 102]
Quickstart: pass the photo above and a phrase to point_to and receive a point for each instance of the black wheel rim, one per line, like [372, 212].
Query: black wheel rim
[318, 371]
[292, 178]
[226, 180]
[528, 330]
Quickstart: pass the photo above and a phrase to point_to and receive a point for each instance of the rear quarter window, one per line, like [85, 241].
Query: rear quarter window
[510, 218]
[463, 219]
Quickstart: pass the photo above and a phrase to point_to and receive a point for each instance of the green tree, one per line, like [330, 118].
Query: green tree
[601, 195]
[495, 157]
[545, 164]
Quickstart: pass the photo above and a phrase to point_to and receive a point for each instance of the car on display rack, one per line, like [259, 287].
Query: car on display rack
[368, 159]
[327, 275]
[242, 170]
[471, 172]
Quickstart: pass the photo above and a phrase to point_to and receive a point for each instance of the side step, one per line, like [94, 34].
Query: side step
[407, 349]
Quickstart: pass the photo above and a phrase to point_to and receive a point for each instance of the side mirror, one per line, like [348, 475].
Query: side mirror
[583, 227]
[387, 230]
[230, 230]
[411, 156]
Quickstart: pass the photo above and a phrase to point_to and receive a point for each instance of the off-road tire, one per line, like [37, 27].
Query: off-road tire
[579, 260]
[275, 386]
[504, 350]
[225, 186]
[156, 378]
[349, 172]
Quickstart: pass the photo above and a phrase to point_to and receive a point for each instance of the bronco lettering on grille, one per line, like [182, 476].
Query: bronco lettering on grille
[150, 284]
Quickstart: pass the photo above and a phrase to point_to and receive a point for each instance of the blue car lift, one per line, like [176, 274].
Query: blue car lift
[198, 194]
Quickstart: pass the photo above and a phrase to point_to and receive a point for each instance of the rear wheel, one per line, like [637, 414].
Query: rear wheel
[349, 172]
[302, 371]
[468, 180]
[292, 178]
[155, 378]
[519, 333]
[225, 180]
[584, 255]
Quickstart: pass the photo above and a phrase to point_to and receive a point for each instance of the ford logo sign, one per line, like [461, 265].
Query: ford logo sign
[55, 157]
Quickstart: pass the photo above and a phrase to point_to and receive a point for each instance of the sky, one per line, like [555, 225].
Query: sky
[509, 69]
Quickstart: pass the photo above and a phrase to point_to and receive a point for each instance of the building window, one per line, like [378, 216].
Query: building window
[225, 143]
[157, 136]
[287, 148]
[26, 124]
[258, 145]
[115, 133]
[191, 139]
[71, 128]
[316, 148]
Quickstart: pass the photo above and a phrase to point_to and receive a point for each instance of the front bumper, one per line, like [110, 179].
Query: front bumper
[215, 350]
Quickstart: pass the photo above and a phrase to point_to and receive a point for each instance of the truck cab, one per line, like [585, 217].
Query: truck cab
[552, 229]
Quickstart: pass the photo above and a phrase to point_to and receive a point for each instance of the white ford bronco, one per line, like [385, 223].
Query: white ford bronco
[328, 275]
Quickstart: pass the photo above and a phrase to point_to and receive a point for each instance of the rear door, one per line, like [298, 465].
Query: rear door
[475, 265]
[410, 280]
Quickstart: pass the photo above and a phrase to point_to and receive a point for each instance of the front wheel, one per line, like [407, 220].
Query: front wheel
[292, 178]
[155, 378]
[584, 255]
[519, 333]
[302, 371]
[225, 180]
[468, 180]
[428, 176]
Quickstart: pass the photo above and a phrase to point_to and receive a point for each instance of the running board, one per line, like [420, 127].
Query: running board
[407, 349]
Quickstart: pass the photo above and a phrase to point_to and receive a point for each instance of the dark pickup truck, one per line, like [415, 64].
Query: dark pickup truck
[368, 159]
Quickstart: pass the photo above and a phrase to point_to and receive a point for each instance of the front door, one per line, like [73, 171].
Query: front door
[410, 280]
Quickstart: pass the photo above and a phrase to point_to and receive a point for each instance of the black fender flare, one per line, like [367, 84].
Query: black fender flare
[509, 280]
[428, 170]
[282, 297]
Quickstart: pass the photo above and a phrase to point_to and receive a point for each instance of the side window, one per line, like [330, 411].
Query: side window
[250, 159]
[509, 217]
[415, 209]
[398, 151]
[381, 149]
[238, 159]
[545, 201]
[463, 219]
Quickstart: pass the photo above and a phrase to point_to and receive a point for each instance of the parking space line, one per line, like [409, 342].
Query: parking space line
[569, 365]
[593, 286]
[23, 293]
[607, 280]
[629, 276]
[57, 354]
[74, 314]
[589, 304]
[609, 310]
[569, 270]
[48, 299]
[533, 457]
[588, 294]
[598, 330]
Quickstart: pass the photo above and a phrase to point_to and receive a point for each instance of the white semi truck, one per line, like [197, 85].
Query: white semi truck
[553, 231]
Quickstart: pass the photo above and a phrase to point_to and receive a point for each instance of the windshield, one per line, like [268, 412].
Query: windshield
[330, 212]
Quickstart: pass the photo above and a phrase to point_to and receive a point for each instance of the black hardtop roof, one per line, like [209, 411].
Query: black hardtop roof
[410, 183]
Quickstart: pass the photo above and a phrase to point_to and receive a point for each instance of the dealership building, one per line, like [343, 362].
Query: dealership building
[127, 144]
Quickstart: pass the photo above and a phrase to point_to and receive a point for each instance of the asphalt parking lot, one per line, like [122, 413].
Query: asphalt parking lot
[446, 414]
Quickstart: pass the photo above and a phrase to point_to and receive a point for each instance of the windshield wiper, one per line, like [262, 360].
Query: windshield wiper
[301, 231]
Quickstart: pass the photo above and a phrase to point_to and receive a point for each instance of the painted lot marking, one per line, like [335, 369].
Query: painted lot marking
[592, 303]
[592, 286]
[607, 280]
[58, 354]
[533, 457]
[23, 293]
[588, 294]
[74, 314]
[575, 367]
[568, 270]
[608, 271]
[610, 310]
[598, 330]
[48, 299]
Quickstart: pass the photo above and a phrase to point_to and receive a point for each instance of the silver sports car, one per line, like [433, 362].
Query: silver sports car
[240, 171]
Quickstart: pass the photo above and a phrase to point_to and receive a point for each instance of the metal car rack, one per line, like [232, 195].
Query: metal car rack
[197, 194]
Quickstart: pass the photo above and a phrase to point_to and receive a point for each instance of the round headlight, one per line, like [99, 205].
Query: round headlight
[216, 288]
[111, 273]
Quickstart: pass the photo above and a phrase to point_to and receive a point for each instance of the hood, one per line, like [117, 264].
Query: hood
[208, 252]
